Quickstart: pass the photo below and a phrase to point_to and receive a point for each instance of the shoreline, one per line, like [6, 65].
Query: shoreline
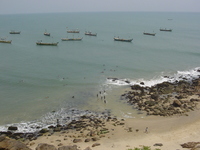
[179, 125]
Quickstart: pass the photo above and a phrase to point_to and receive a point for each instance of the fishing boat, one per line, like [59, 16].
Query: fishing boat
[168, 30]
[3, 40]
[90, 33]
[73, 31]
[71, 39]
[15, 32]
[146, 33]
[47, 44]
[46, 33]
[123, 40]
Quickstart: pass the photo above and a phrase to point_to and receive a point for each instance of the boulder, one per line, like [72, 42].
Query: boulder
[13, 128]
[44, 146]
[177, 103]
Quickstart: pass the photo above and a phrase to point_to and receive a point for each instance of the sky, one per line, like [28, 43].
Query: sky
[51, 6]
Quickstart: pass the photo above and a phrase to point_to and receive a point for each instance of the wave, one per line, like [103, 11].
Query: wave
[187, 75]
[62, 117]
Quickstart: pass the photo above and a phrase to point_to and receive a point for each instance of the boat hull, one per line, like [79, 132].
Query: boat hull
[69, 31]
[15, 32]
[71, 39]
[123, 40]
[167, 30]
[9, 42]
[90, 34]
[47, 44]
[152, 34]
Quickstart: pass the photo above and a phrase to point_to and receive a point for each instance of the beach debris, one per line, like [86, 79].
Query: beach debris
[146, 130]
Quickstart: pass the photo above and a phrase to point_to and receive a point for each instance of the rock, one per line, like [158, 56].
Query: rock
[43, 131]
[158, 144]
[74, 147]
[96, 144]
[10, 144]
[87, 140]
[189, 144]
[13, 128]
[177, 103]
[87, 148]
[77, 140]
[44, 146]
[95, 139]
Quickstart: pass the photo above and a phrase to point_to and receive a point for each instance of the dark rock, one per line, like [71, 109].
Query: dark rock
[189, 144]
[158, 144]
[96, 144]
[177, 103]
[87, 140]
[44, 131]
[13, 128]
[77, 140]
[44, 146]
[95, 139]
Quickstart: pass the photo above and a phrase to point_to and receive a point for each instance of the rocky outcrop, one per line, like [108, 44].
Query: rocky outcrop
[164, 99]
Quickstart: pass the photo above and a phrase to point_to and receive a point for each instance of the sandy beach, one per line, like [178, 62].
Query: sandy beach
[130, 133]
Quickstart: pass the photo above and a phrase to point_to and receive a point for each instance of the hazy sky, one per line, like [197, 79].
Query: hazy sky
[45, 6]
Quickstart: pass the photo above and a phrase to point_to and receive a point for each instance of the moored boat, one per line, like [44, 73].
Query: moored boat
[146, 33]
[168, 30]
[3, 40]
[123, 40]
[71, 39]
[47, 44]
[46, 33]
[73, 31]
[15, 32]
[90, 33]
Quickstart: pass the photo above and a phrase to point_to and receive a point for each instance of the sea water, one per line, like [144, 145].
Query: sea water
[43, 83]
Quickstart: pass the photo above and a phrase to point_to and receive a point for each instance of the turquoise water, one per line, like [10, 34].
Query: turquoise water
[35, 80]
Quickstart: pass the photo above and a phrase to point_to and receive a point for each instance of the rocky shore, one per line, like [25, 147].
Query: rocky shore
[165, 99]
[89, 132]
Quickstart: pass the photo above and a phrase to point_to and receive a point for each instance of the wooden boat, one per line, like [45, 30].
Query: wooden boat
[3, 40]
[73, 31]
[168, 30]
[46, 33]
[146, 33]
[71, 39]
[15, 32]
[90, 34]
[47, 44]
[123, 40]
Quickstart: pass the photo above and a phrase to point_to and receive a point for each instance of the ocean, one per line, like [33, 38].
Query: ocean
[40, 84]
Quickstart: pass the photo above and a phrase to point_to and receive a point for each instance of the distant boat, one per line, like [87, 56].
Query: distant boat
[146, 33]
[73, 31]
[168, 30]
[71, 39]
[3, 40]
[47, 44]
[123, 40]
[90, 33]
[15, 32]
[46, 33]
